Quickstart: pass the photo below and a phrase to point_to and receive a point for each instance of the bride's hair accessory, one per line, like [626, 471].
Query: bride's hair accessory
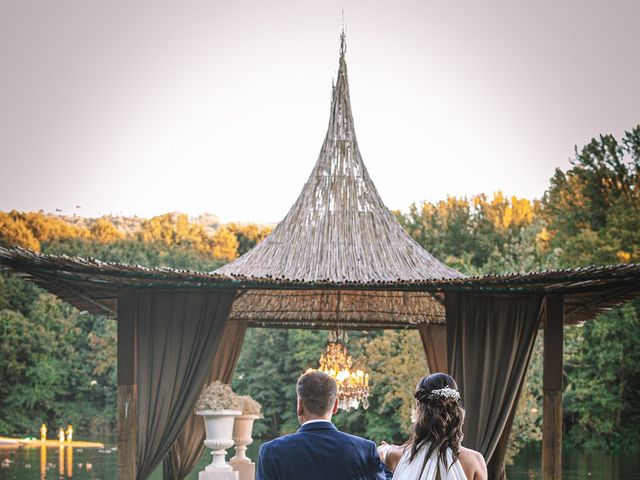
[445, 392]
[423, 395]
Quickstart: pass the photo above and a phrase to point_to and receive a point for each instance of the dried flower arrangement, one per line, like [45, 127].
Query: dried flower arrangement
[249, 406]
[217, 396]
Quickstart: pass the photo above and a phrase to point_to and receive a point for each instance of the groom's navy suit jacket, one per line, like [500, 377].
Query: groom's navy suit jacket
[319, 451]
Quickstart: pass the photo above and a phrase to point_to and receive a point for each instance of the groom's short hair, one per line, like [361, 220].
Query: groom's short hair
[318, 392]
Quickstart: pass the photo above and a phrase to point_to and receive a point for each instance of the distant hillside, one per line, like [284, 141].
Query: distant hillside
[133, 225]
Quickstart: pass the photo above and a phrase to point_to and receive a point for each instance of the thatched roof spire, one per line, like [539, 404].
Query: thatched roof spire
[339, 229]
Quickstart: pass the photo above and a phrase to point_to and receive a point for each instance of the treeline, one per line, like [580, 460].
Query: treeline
[170, 232]
[58, 365]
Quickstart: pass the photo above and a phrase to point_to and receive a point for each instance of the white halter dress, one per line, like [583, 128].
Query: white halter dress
[411, 471]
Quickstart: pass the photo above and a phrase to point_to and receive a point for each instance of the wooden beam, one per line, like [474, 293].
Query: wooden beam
[51, 280]
[127, 386]
[552, 386]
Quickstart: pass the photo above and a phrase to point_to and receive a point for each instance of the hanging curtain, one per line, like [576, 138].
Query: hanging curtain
[188, 448]
[178, 333]
[496, 469]
[434, 342]
[490, 340]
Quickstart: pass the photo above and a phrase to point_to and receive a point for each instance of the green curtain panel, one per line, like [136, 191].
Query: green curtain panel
[188, 448]
[178, 334]
[490, 339]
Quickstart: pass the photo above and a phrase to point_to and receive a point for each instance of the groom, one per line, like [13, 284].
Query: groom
[318, 450]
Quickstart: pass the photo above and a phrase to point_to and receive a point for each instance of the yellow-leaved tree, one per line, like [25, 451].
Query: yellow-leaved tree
[248, 234]
[224, 244]
[103, 231]
[31, 229]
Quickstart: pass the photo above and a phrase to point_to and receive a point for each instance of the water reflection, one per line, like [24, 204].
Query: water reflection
[65, 460]
[69, 462]
[61, 460]
[43, 462]
[578, 464]
[21, 463]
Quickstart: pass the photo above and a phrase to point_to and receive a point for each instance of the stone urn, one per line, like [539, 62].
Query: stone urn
[242, 428]
[219, 427]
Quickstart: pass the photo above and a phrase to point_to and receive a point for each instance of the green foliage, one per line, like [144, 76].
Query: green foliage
[248, 235]
[479, 235]
[16, 294]
[50, 373]
[269, 365]
[133, 251]
[593, 209]
[397, 362]
[601, 396]
[527, 425]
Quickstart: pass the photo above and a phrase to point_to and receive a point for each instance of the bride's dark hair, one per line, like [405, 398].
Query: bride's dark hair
[439, 419]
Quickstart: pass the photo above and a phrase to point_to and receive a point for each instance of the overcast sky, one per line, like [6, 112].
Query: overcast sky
[132, 107]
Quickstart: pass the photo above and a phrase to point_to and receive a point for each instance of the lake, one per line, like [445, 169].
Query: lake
[100, 464]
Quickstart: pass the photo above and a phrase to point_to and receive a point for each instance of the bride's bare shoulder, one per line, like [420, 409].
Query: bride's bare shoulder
[473, 464]
[471, 455]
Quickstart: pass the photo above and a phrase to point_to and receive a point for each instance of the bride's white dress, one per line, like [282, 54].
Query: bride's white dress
[411, 471]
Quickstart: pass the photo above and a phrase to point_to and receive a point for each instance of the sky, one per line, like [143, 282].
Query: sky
[131, 107]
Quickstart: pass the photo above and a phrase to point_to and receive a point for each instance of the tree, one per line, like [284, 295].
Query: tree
[103, 231]
[248, 235]
[15, 231]
[30, 229]
[603, 377]
[224, 244]
[175, 229]
[480, 235]
[45, 372]
[266, 371]
[593, 209]
[397, 361]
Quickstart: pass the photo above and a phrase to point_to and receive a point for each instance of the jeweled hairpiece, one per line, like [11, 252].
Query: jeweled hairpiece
[445, 392]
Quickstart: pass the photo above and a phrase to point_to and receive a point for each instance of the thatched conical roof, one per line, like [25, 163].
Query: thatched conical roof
[339, 230]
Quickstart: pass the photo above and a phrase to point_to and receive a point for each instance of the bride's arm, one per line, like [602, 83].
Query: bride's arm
[393, 456]
[390, 455]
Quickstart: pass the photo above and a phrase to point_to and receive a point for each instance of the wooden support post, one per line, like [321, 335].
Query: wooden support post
[127, 386]
[552, 386]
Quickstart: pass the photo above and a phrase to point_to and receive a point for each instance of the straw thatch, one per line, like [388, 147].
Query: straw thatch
[345, 309]
[93, 286]
[339, 230]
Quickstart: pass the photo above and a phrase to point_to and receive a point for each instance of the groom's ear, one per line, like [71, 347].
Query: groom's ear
[299, 407]
[335, 407]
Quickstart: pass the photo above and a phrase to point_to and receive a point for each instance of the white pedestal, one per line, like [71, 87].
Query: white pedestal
[246, 469]
[218, 475]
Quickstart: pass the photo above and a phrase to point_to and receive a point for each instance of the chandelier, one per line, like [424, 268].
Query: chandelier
[353, 385]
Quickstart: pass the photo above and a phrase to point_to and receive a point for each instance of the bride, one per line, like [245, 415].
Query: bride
[434, 451]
